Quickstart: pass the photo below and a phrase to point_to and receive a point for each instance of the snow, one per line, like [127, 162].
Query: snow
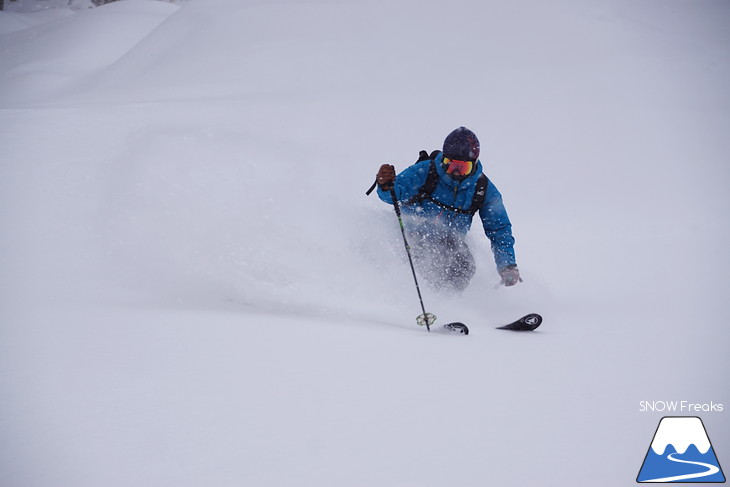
[681, 432]
[194, 289]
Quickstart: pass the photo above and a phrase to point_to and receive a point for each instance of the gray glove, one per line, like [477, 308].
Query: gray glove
[510, 275]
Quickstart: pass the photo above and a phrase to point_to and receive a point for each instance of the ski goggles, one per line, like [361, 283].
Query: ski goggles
[459, 168]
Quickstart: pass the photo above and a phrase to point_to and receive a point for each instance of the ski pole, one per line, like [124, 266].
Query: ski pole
[425, 318]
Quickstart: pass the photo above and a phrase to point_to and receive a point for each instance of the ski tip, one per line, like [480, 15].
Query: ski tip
[527, 323]
[456, 327]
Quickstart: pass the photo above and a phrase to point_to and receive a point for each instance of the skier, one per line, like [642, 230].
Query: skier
[440, 194]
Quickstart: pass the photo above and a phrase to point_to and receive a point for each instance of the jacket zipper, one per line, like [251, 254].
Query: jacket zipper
[453, 203]
[456, 190]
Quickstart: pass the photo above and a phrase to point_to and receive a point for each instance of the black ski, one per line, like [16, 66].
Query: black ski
[457, 327]
[526, 323]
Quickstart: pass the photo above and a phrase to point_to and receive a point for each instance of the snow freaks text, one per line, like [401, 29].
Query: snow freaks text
[679, 407]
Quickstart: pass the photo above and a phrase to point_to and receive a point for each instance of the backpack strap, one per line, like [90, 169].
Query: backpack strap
[480, 193]
[432, 179]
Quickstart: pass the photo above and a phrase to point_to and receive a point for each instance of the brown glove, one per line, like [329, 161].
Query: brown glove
[386, 177]
[510, 275]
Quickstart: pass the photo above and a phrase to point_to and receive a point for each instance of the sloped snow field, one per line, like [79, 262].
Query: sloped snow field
[195, 290]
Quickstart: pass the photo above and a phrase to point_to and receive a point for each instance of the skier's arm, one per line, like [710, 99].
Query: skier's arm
[498, 228]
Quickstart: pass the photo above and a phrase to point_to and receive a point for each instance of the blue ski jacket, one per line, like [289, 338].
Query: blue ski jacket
[457, 194]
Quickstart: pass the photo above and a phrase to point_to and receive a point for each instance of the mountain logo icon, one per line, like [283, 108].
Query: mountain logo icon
[681, 452]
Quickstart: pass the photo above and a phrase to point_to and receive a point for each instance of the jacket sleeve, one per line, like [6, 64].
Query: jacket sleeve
[498, 228]
[407, 183]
